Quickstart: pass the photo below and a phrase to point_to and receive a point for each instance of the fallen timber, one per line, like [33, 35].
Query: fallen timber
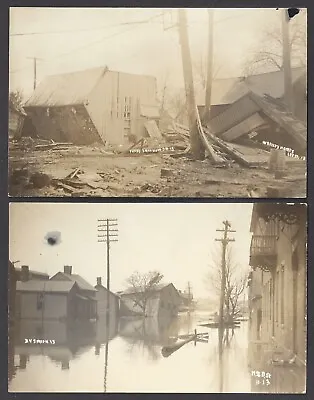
[213, 155]
[166, 351]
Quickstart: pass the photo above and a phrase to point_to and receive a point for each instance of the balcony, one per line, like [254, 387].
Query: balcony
[263, 252]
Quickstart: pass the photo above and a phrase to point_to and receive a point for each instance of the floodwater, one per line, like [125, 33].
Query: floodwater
[127, 357]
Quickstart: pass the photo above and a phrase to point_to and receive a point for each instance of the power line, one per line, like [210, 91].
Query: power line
[78, 30]
[92, 43]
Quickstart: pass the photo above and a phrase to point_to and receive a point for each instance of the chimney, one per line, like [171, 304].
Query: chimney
[99, 281]
[25, 273]
[68, 269]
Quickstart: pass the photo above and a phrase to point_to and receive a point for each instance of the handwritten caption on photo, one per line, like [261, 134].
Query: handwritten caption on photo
[288, 150]
[138, 151]
[39, 341]
[262, 377]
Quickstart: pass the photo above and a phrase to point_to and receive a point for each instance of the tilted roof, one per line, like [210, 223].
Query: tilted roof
[66, 89]
[44, 286]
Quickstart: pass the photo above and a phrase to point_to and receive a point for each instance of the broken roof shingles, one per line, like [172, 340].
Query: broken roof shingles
[65, 89]
[45, 286]
[229, 90]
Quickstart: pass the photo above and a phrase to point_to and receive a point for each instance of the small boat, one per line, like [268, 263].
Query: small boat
[234, 324]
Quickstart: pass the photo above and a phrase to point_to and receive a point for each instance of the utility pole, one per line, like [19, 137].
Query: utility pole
[209, 63]
[189, 294]
[197, 147]
[107, 233]
[225, 240]
[286, 53]
[35, 59]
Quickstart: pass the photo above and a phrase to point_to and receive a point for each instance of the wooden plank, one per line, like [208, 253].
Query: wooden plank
[153, 130]
[234, 154]
[244, 127]
[233, 115]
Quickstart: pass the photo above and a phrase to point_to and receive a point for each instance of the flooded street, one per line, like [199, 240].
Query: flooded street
[83, 360]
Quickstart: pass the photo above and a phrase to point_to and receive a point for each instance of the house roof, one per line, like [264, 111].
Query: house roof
[45, 286]
[101, 287]
[227, 91]
[156, 288]
[33, 273]
[81, 282]
[66, 89]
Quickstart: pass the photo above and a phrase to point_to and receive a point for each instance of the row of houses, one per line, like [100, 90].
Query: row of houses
[68, 296]
[277, 284]
[100, 105]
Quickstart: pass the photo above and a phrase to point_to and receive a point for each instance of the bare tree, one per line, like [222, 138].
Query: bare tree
[200, 71]
[235, 282]
[16, 98]
[267, 54]
[142, 287]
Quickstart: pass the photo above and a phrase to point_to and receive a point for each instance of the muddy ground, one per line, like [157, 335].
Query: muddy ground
[105, 174]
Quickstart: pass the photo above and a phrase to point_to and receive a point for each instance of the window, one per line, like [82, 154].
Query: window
[127, 108]
[40, 301]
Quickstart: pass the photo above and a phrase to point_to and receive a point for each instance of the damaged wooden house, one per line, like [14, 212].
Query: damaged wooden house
[94, 105]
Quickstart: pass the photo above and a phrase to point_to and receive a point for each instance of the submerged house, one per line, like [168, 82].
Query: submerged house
[95, 105]
[102, 297]
[11, 293]
[161, 300]
[46, 300]
[277, 284]
[86, 293]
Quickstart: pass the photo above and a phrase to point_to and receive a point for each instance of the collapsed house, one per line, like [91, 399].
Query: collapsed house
[227, 91]
[248, 116]
[262, 118]
[95, 105]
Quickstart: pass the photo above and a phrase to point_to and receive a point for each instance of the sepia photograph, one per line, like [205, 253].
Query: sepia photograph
[151, 102]
[157, 297]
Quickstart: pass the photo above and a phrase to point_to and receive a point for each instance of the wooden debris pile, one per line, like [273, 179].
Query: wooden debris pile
[30, 144]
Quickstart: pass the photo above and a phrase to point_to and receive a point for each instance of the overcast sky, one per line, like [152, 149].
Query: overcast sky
[176, 239]
[73, 39]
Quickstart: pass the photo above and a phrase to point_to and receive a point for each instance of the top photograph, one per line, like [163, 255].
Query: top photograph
[148, 102]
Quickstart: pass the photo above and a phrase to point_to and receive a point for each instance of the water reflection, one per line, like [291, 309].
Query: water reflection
[125, 356]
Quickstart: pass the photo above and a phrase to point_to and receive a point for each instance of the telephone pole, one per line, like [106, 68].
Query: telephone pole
[225, 240]
[35, 59]
[189, 294]
[286, 53]
[197, 147]
[209, 63]
[107, 233]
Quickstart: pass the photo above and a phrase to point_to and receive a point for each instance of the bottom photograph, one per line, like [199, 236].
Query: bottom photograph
[157, 297]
